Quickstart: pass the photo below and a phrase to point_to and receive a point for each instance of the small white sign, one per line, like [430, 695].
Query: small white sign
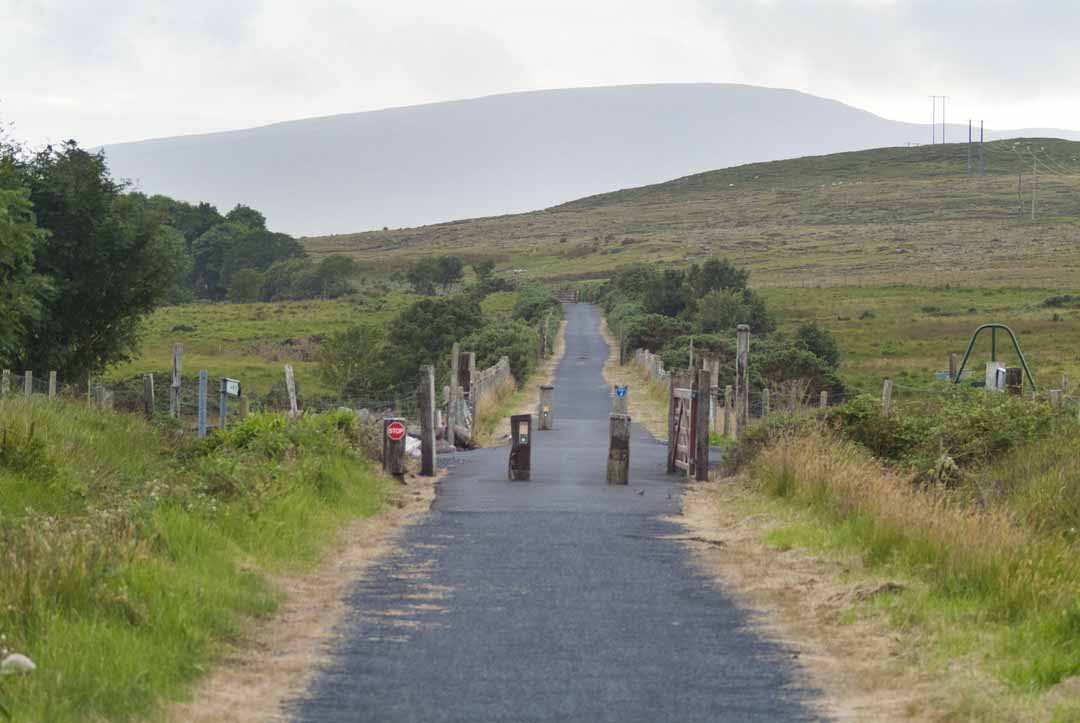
[232, 387]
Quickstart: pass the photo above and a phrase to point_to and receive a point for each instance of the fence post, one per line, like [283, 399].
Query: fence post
[886, 396]
[470, 367]
[425, 404]
[202, 403]
[174, 387]
[1055, 398]
[729, 401]
[742, 380]
[672, 442]
[618, 462]
[824, 399]
[394, 447]
[290, 387]
[765, 402]
[5, 383]
[223, 402]
[714, 390]
[148, 395]
[101, 395]
[451, 405]
[547, 407]
[954, 362]
[52, 384]
[28, 383]
[701, 427]
[690, 366]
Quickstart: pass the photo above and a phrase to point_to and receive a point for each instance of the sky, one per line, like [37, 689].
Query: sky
[122, 70]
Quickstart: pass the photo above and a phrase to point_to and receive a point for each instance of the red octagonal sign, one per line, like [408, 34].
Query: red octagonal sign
[395, 431]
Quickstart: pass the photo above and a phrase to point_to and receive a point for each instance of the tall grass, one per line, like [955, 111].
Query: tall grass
[130, 557]
[1008, 562]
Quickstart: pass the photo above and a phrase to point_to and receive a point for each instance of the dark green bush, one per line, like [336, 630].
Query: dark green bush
[513, 339]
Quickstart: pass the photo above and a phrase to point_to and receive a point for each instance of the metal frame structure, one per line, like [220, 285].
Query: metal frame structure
[993, 350]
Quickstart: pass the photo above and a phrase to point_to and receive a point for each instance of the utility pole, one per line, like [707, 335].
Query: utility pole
[933, 119]
[943, 98]
[1034, 186]
[969, 146]
[1020, 196]
[982, 161]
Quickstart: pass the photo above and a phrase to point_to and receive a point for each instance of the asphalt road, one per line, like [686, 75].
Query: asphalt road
[554, 599]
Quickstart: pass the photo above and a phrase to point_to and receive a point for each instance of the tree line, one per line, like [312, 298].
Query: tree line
[83, 259]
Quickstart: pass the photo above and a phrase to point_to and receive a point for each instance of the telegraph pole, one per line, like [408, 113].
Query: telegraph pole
[969, 148]
[933, 119]
[1034, 186]
[1020, 196]
[943, 98]
[982, 162]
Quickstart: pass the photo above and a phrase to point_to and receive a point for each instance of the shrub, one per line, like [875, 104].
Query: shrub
[534, 303]
[820, 342]
[513, 339]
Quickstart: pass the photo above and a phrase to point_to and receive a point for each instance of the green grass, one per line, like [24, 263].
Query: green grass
[251, 342]
[867, 217]
[990, 586]
[908, 332]
[133, 558]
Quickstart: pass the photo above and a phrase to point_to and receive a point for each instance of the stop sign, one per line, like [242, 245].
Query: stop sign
[395, 431]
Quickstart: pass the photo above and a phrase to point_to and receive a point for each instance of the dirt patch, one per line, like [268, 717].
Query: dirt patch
[299, 349]
[277, 657]
[866, 669]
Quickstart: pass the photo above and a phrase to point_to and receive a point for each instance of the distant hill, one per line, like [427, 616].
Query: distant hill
[882, 216]
[500, 154]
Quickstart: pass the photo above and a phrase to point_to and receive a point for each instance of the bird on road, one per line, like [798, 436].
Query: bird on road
[641, 491]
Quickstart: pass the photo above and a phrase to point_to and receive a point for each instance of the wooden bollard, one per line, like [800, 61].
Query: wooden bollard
[618, 461]
[52, 385]
[886, 396]
[620, 403]
[824, 403]
[742, 380]
[520, 466]
[290, 388]
[28, 383]
[394, 435]
[546, 413]
[425, 404]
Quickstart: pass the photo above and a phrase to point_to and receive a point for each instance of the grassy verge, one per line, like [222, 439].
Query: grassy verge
[989, 584]
[497, 406]
[132, 557]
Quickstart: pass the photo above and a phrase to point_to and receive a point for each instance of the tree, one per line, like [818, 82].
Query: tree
[513, 339]
[245, 286]
[21, 290]
[424, 333]
[667, 295]
[720, 311]
[423, 277]
[819, 342]
[351, 360]
[333, 274]
[281, 279]
[247, 216]
[257, 248]
[715, 275]
[449, 270]
[209, 253]
[484, 270]
[108, 256]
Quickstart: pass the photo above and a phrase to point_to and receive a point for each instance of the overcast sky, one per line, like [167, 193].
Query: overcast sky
[118, 70]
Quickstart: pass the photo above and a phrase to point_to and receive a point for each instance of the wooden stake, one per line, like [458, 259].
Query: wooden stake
[742, 380]
[824, 403]
[729, 412]
[52, 384]
[618, 463]
[203, 378]
[28, 383]
[886, 396]
[701, 427]
[425, 404]
[954, 363]
[174, 386]
[764, 402]
[672, 442]
[148, 396]
[290, 387]
[452, 406]
[1055, 398]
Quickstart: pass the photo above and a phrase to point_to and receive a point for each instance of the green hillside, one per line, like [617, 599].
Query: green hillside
[909, 215]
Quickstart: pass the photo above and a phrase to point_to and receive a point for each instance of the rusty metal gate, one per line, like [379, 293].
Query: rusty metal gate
[683, 409]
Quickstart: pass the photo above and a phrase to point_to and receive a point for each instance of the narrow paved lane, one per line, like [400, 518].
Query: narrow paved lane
[552, 600]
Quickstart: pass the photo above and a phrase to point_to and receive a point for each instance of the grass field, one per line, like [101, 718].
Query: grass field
[252, 342]
[868, 217]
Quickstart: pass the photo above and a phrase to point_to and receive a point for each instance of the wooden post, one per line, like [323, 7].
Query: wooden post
[520, 466]
[425, 404]
[107, 398]
[470, 397]
[701, 427]
[824, 399]
[618, 461]
[886, 396]
[1055, 398]
[28, 383]
[148, 396]
[290, 387]
[742, 380]
[202, 403]
[729, 412]
[5, 383]
[954, 363]
[52, 384]
[543, 339]
[620, 403]
[764, 402]
[1014, 381]
[244, 407]
[546, 413]
[1065, 384]
[690, 366]
[100, 394]
[223, 402]
[714, 390]
[672, 442]
[394, 449]
[174, 387]
[452, 405]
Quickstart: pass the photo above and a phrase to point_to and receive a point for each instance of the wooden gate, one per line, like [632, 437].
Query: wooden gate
[681, 431]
